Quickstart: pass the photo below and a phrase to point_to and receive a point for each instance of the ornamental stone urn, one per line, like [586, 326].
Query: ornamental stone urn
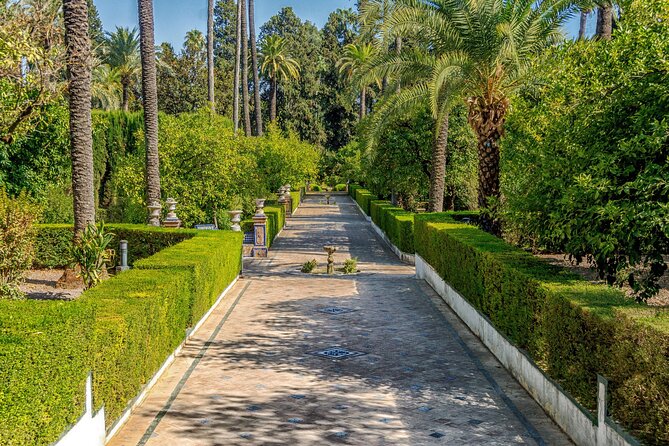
[260, 205]
[171, 221]
[235, 219]
[154, 213]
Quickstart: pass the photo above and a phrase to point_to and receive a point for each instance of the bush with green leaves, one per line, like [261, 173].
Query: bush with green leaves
[17, 242]
[350, 266]
[90, 254]
[309, 266]
[586, 157]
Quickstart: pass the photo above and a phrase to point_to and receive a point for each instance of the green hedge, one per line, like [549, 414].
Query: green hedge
[572, 329]
[395, 222]
[122, 330]
[364, 199]
[297, 198]
[276, 220]
[53, 242]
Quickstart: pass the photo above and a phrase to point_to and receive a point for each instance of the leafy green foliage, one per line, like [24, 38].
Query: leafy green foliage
[90, 254]
[122, 330]
[350, 266]
[17, 238]
[572, 329]
[308, 267]
[588, 176]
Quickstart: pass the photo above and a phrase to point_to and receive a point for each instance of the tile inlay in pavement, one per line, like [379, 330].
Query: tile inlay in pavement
[417, 376]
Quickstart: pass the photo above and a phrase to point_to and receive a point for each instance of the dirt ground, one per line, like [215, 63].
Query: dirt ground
[40, 284]
[660, 300]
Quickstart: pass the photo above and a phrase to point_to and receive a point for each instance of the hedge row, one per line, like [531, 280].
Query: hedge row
[395, 222]
[53, 242]
[122, 330]
[572, 329]
[363, 197]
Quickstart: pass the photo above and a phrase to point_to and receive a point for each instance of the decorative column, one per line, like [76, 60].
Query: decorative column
[235, 219]
[171, 221]
[260, 230]
[154, 213]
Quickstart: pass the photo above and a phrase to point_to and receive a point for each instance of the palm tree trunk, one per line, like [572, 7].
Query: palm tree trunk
[238, 53]
[78, 47]
[210, 54]
[125, 87]
[257, 105]
[398, 51]
[272, 105]
[583, 24]
[245, 72]
[488, 154]
[363, 102]
[438, 169]
[605, 21]
[150, 99]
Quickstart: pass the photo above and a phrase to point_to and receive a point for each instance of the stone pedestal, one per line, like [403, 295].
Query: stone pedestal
[171, 221]
[260, 248]
[154, 213]
[235, 219]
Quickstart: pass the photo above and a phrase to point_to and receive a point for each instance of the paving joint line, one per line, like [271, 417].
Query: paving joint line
[182, 382]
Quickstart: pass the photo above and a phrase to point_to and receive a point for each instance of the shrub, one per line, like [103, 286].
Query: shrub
[316, 188]
[364, 198]
[297, 199]
[122, 330]
[340, 188]
[17, 238]
[350, 266]
[308, 267]
[275, 222]
[90, 254]
[572, 329]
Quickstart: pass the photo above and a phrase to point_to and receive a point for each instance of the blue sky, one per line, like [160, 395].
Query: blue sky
[175, 17]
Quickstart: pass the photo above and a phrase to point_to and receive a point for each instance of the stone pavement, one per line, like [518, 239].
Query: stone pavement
[415, 376]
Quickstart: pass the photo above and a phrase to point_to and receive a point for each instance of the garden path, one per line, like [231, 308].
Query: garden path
[251, 375]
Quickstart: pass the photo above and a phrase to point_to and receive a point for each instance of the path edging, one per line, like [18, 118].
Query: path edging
[118, 424]
[583, 428]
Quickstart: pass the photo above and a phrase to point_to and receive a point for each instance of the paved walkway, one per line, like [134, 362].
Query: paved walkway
[417, 375]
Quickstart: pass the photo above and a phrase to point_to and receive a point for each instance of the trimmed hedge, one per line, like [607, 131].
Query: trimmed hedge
[395, 222]
[122, 330]
[52, 243]
[364, 199]
[572, 329]
[297, 199]
[276, 220]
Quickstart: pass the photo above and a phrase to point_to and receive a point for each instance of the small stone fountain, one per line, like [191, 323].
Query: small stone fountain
[235, 219]
[330, 250]
[171, 221]
[154, 213]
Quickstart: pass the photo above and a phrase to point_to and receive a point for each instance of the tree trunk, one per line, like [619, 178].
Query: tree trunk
[398, 51]
[125, 87]
[245, 72]
[78, 51]
[363, 102]
[238, 53]
[272, 100]
[257, 105]
[150, 99]
[210, 54]
[605, 21]
[583, 24]
[438, 169]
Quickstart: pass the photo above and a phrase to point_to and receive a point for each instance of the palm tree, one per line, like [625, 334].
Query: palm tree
[238, 59]
[150, 100]
[254, 66]
[78, 52]
[122, 54]
[276, 64]
[245, 71]
[356, 58]
[106, 87]
[605, 20]
[210, 54]
[485, 47]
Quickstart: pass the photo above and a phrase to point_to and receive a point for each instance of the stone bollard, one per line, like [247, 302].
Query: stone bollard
[154, 213]
[289, 200]
[123, 249]
[259, 230]
[330, 250]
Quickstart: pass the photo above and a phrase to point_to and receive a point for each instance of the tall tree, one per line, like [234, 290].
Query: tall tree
[605, 20]
[225, 37]
[257, 105]
[210, 54]
[78, 50]
[245, 71]
[583, 23]
[150, 99]
[485, 69]
[356, 59]
[95, 31]
[122, 54]
[277, 65]
[238, 60]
